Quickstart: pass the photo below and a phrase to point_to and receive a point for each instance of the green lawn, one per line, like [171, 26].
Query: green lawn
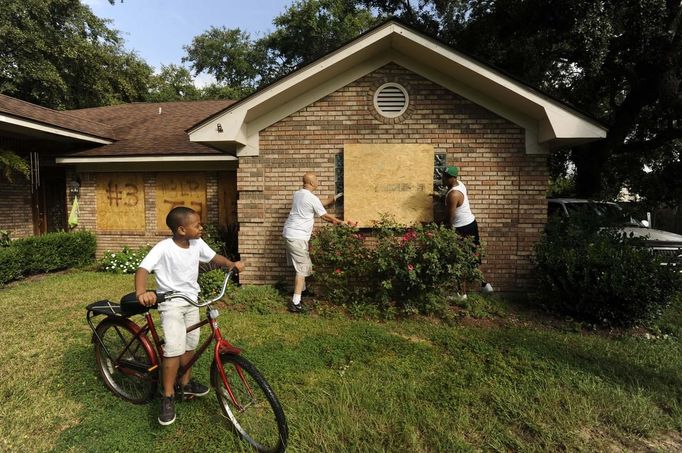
[513, 382]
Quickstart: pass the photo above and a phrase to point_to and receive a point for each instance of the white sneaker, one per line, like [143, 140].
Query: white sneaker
[487, 288]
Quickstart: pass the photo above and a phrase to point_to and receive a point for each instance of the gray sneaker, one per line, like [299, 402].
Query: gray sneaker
[167, 411]
[194, 388]
[487, 288]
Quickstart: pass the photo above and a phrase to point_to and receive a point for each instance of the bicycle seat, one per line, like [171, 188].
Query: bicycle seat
[130, 306]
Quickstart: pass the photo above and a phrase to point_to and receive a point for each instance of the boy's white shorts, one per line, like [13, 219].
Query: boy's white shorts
[174, 322]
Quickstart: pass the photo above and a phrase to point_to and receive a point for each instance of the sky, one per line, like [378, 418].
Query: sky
[158, 29]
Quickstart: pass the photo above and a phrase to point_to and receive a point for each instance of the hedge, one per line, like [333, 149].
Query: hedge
[46, 253]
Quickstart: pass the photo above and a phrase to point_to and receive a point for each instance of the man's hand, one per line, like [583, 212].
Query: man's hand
[147, 298]
[351, 223]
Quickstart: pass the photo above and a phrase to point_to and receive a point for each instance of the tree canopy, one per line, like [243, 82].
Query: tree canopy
[58, 54]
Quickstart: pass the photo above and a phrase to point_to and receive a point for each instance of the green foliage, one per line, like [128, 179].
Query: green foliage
[124, 262]
[597, 274]
[46, 253]
[211, 282]
[11, 264]
[398, 268]
[5, 240]
[11, 164]
[172, 83]
[58, 54]
[306, 30]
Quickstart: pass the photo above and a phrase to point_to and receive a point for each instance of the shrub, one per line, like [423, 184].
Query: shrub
[211, 282]
[124, 262]
[46, 253]
[56, 251]
[408, 269]
[5, 240]
[601, 275]
[11, 264]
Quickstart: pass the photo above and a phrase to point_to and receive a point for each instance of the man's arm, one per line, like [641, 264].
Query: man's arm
[220, 260]
[454, 199]
[331, 200]
[144, 297]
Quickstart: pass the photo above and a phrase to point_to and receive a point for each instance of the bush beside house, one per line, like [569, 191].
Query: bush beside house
[598, 274]
[401, 269]
[46, 253]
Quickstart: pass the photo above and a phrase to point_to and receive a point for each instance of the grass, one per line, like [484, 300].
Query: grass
[497, 378]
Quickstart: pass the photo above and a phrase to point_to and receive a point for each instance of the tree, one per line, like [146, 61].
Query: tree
[305, 31]
[58, 54]
[230, 56]
[11, 164]
[618, 60]
[173, 83]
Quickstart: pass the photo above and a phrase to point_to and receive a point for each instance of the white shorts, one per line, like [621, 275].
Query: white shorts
[297, 254]
[174, 322]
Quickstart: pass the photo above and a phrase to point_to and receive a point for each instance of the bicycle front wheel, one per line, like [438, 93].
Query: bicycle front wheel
[125, 362]
[249, 403]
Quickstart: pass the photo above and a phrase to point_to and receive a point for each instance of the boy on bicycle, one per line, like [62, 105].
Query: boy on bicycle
[175, 263]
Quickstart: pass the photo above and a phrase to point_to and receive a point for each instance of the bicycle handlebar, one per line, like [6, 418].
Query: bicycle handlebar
[162, 297]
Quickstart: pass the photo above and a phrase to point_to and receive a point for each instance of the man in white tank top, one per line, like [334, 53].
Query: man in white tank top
[458, 213]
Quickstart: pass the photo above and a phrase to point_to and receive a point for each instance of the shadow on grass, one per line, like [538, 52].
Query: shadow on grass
[632, 363]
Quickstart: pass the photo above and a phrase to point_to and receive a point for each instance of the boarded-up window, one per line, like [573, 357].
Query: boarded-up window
[179, 189]
[120, 202]
[394, 179]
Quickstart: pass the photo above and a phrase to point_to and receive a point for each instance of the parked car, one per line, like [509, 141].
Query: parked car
[664, 243]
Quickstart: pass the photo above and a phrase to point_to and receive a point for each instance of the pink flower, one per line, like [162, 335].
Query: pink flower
[338, 271]
[408, 236]
[410, 267]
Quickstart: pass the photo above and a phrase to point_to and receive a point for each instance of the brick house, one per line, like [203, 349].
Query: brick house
[391, 89]
[498, 130]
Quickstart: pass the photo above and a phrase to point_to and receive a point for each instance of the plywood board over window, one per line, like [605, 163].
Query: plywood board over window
[120, 202]
[394, 179]
[179, 189]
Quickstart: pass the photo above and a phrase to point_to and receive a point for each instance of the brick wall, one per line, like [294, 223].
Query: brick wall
[15, 209]
[506, 186]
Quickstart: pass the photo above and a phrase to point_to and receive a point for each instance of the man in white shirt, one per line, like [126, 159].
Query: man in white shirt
[298, 229]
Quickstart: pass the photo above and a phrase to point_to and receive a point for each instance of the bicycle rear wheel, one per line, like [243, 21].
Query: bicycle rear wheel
[128, 369]
[254, 412]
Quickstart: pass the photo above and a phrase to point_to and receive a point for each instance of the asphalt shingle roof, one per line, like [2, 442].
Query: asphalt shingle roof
[64, 120]
[143, 129]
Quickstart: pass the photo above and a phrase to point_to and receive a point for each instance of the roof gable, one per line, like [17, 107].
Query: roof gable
[548, 123]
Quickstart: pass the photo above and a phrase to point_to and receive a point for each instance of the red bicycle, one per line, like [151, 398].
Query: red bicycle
[129, 364]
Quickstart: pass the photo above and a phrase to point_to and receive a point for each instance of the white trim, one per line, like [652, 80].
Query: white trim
[138, 159]
[52, 130]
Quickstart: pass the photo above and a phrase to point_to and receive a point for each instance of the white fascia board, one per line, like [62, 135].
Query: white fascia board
[53, 130]
[566, 126]
[141, 159]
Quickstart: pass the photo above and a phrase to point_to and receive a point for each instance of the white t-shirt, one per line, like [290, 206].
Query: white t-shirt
[305, 207]
[463, 214]
[176, 268]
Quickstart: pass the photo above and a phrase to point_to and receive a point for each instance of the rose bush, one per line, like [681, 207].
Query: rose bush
[393, 267]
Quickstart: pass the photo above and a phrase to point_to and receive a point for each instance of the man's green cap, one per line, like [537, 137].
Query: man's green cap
[452, 171]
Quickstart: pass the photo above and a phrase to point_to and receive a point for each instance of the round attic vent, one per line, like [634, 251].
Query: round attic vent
[391, 100]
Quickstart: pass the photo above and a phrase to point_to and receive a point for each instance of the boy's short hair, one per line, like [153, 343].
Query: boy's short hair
[177, 217]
